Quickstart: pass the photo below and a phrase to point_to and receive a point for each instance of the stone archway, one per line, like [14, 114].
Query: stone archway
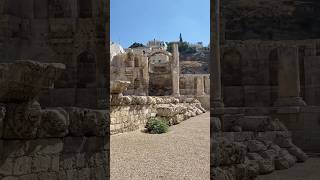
[231, 78]
[231, 68]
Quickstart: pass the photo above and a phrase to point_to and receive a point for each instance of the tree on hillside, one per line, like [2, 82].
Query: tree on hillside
[183, 47]
[134, 45]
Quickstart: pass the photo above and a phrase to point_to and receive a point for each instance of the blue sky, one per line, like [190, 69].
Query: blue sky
[143, 20]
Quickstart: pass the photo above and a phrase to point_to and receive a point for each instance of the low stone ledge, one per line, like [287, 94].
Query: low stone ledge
[29, 121]
[118, 100]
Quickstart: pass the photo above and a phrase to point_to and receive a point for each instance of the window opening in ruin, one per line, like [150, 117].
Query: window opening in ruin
[86, 69]
[85, 8]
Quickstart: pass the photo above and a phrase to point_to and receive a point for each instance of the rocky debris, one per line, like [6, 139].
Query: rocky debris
[228, 153]
[285, 160]
[54, 123]
[256, 146]
[283, 140]
[298, 153]
[22, 120]
[269, 154]
[120, 100]
[176, 113]
[265, 151]
[222, 174]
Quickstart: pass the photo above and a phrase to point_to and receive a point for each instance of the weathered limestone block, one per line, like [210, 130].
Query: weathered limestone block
[283, 140]
[22, 120]
[167, 110]
[198, 105]
[269, 154]
[241, 171]
[54, 123]
[177, 119]
[118, 87]
[6, 166]
[256, 146]
[252, 168]
[298, 153]
[265, 165]
[221, 174]
[151, 100]
[141, 100]
[86, 122]
[228, 153]
[285, 160]
[24, 80]
[127, 100]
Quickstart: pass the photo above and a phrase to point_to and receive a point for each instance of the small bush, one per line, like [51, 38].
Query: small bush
[157, 125]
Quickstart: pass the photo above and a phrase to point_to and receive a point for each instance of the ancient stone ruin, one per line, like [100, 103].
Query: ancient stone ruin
[265, 105]
[47, 142]
[145, 82]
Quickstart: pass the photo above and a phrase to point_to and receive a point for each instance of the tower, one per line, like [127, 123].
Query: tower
[180, 38]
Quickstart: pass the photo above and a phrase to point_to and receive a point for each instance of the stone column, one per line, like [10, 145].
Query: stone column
[288, 76]
[207, 84]
[200, 86]
[175, 69]
[215, 55]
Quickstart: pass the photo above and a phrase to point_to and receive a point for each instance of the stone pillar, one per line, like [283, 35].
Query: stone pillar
[200, 86]
[288, 76]
[215, 55]
[207, 84]
[175, 69]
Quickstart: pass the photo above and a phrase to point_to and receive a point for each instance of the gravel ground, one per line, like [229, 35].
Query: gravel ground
[182, 153]
[302, 171]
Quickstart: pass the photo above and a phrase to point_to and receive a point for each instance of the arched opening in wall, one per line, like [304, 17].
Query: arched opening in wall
[85, 8]
[231, 78]
[40, 9]
[136, 62]
[273, 74]
[13, 7]
[58, 9]
[136, 83]
[86, 70]
[182, 85]
[302, 53]
[231, 68]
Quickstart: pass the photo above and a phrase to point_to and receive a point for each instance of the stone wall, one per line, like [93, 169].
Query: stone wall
[70, 32]
[129, 113]
[271, 19]
[303, 122]
[47, 143]
[250, 69]
[66, 144]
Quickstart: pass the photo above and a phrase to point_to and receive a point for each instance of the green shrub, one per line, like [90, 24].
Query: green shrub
[157, 125]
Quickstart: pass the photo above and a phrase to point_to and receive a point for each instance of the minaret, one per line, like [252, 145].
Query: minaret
[180, 38]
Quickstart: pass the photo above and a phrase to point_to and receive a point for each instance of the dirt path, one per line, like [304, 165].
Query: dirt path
[182, 153]
[309, 170]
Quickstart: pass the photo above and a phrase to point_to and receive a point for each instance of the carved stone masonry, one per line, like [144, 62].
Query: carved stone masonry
[20, 84]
